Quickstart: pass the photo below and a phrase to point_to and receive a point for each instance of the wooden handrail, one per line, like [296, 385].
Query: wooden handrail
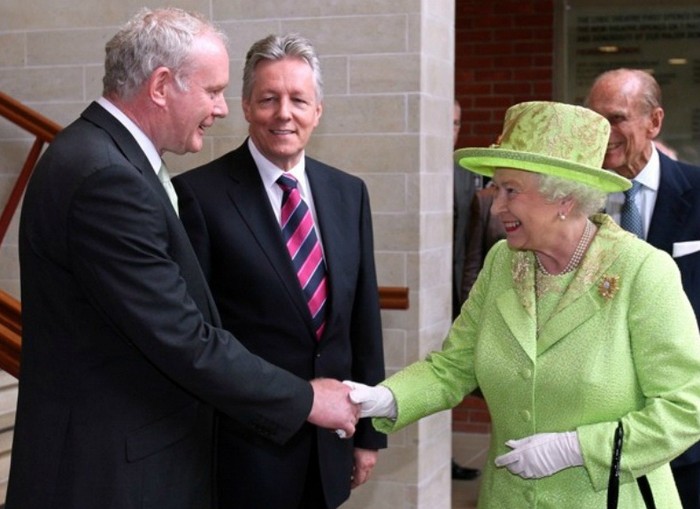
[44, 130]
[28, 119]
[393, 297]
[10, 333]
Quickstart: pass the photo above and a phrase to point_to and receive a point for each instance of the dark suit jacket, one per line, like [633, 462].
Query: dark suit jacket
[464, 188]
[676, 218]
[120, 362]
[484, 231]
[233, 229]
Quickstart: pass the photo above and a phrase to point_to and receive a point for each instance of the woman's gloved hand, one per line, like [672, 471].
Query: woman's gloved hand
[541, 455]
[375, 401]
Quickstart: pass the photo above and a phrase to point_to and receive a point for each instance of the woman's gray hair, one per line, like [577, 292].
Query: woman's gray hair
[587, 199]
[149, 40]
[279, 47]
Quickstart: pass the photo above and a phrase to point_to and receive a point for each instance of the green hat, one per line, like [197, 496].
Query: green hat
[552, 138]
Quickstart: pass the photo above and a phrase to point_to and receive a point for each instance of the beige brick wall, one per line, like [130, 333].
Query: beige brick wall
[388, 70]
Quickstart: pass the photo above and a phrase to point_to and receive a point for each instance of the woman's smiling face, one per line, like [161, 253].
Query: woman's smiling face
[528, 217]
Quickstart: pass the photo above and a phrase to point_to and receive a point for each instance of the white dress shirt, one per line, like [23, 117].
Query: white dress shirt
[269, 173]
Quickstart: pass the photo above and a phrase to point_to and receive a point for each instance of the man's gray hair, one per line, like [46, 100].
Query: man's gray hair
[149, 40]
[279, 47]
[648, 88]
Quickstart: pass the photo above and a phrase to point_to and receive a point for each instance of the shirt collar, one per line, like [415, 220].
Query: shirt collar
[143, 141]
[650, 175]
[269, 172]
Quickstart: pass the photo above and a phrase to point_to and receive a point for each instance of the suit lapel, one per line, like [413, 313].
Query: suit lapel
[329, 210]
[127, 145]
[672, 205]
[249, 198]
[521, 323]
[123, 139]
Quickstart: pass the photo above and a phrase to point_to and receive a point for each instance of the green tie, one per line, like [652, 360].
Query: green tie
[164, 178]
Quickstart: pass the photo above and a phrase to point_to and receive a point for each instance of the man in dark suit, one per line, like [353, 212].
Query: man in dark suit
[668, 201]
[465, 184]
[122, 360]
[233, 209]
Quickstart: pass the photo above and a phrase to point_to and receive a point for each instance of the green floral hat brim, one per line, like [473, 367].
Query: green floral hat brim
[485, 160]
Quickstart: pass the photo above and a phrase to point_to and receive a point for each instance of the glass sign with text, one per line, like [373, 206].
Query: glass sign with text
[665, 40]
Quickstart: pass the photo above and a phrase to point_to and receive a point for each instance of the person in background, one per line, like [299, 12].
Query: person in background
[465, 185]
[484, 231]
[665, 207]
[237, 212]
[574, 331]
[122, 359]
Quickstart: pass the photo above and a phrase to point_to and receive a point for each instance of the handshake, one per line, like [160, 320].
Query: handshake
[339, 405]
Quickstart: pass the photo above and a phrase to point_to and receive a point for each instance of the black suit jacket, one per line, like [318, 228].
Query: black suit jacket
[120, 360]
[465, 185]
[676, 218]
[237, 237]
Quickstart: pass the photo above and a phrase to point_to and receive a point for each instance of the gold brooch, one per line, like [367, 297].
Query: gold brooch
[609, 286]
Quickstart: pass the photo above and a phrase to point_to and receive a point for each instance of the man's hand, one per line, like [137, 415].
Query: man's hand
[363, 463]
[332, 408]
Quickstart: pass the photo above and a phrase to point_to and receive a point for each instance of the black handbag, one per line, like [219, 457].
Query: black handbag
[614, 481]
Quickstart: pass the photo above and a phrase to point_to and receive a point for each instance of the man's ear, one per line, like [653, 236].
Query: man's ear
[159, 82]
[657, 118]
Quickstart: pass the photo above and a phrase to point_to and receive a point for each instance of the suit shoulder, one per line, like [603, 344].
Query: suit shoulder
[679, 171]
[211, 170]
[101, 143]
[691, 172]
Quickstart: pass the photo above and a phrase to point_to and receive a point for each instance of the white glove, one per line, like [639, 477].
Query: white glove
[375, 401]
[542, 454]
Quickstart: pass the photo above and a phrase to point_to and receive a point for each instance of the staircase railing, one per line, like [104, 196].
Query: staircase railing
[44, 131]
[10, 333]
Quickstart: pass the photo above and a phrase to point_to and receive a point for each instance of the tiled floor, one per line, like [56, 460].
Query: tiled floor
[469, 450]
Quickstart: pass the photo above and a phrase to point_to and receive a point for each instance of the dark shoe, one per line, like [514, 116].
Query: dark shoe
[463, 473]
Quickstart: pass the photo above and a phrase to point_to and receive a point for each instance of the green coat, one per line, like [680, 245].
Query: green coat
[623, 344]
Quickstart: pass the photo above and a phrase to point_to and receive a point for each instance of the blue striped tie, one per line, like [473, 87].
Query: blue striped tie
[631, 218]
[305, 250]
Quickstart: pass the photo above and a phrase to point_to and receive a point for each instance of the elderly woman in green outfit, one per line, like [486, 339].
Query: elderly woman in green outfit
[572, 327]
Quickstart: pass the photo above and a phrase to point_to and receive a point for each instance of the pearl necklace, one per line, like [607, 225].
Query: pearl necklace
[576, 258]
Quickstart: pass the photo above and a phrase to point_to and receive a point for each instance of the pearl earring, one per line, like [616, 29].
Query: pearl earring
[562, 216]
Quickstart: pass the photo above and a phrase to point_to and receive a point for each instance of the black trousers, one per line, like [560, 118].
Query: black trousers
[688, 483]
[313, 491]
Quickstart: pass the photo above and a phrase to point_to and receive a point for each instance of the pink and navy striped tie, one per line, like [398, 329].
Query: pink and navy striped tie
[305, 249]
